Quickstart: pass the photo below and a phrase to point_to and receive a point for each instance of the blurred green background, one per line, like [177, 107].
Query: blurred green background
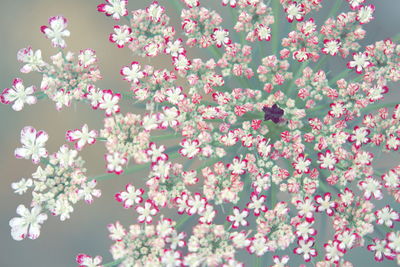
[86, 232]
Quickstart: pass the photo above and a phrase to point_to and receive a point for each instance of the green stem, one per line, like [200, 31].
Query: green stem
[257, 261]
[276, 10]
[113, 263]
[381, 105]
[182, 221]
[272, 195]
[163, 137]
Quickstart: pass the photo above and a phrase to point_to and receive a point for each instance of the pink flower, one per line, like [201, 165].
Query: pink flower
[359, 136]
[333, 251]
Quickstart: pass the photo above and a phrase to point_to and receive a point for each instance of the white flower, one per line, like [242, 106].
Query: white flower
[386, 216]
[331, 47]
[115, 8]
[22, 186]
[109, 102]
[33, 60]
[117, 231]
[146, 212]
[121, 35]
[56, 31]
[189, 148]
[171, 258]
[19, 95]
[83, 137]
[364, 14]
[263, 32]
[155, 11]
[28, 225]
[221, 37]
[87, 261]
[66, 156]
[238, 218]
[115, 162]
[62, 208]
[130, 196]
[33, 143]
[294, 11]
[88, 191]
[371, 187]
[87, 57]
[232, 3]
[360, 62]
[132, 74]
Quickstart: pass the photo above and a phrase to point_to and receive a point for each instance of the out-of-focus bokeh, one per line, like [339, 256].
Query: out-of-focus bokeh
[86, 232]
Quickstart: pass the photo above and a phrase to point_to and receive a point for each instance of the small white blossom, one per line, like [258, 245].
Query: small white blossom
[57, 31]
[28, 225]
[33, 143]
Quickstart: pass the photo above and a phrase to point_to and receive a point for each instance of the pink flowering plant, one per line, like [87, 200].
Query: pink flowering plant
[247, 149]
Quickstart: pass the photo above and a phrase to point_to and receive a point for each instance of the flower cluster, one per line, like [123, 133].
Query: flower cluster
[57, 184]
[270, 146]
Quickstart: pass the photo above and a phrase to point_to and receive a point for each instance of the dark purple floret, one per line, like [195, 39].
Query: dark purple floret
[273, 113]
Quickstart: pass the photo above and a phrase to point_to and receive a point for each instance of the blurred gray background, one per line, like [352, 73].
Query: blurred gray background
[86, 232]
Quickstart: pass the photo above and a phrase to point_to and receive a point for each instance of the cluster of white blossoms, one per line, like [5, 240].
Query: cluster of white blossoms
[271, 142]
